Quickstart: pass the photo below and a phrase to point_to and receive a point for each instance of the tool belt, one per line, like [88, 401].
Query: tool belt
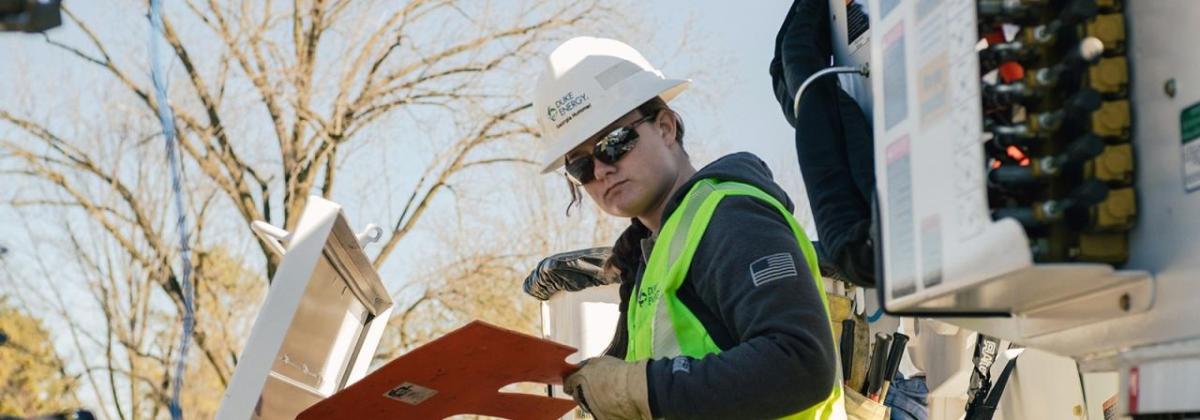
[858, 407]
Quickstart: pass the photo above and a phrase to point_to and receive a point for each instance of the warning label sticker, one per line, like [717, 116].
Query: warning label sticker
[901, 240]
[410, 393]
[1189, 129]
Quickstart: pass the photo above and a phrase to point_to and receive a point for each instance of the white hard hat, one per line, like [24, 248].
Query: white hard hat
[588, 83]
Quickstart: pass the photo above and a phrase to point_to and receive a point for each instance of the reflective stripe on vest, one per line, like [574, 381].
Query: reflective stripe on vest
[660, 325]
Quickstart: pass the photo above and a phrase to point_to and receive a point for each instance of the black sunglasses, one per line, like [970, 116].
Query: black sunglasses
[609, 149]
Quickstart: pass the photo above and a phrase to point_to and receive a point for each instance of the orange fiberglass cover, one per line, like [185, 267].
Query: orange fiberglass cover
[460, 373]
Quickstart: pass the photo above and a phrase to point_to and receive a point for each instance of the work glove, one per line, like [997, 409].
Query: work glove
[610, 388]
[570, 271]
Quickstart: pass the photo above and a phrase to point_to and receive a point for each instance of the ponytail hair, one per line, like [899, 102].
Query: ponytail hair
[626, 252]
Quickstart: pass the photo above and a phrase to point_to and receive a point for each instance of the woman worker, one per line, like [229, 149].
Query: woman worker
[722, 313]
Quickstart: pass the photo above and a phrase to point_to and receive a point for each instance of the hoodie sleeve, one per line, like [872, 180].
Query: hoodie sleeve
[778, 83]
[750, 273]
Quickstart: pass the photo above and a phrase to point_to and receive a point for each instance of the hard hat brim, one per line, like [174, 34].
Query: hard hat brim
[553, 157]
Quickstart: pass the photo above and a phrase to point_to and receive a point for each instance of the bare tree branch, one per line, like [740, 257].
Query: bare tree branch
[263, 118]
[404, 225]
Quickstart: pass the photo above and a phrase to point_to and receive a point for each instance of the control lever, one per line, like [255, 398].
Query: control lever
[1086, 53]
[1089, 193]
[1038, 125]
[1081, 149]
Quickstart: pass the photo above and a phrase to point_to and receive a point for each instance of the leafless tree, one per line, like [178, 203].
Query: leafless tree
[266, 97]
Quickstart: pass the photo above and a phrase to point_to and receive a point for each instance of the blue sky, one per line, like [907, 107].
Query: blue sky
[742, 113]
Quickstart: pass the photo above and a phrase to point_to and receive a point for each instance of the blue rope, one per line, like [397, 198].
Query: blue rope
[875, 316]
[167, 118]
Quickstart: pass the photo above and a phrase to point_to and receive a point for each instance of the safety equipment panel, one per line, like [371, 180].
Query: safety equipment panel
[1005, 163]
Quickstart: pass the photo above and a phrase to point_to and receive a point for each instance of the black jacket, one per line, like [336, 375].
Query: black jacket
[777, 354]
[833, 140]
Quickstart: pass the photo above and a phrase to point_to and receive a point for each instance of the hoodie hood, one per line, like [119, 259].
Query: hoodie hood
[741, 167]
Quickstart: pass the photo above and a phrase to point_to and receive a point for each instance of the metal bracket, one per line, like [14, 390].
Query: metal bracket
[272, 235]
[370, 234]
[276, 237]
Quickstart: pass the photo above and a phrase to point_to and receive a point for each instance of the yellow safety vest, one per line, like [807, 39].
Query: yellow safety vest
[662, 326]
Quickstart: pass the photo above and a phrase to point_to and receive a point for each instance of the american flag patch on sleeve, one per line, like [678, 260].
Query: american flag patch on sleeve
[772, 267]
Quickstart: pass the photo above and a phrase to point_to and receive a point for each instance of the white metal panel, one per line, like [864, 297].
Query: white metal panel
[937, 233]
[1043, 386]
[585, 319]
[1166, 239]
[1073, 313]
[1162, 378]
[319, 326]
[1098, 388]
[1168, 386]
[942, 253]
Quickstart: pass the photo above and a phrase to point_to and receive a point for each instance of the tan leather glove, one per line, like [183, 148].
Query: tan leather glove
[610, 388]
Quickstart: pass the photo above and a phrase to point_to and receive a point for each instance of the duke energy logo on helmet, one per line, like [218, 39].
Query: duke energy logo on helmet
[567, 107]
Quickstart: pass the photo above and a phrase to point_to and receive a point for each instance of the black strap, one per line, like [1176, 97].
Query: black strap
[987, 409]
[986, 349]
[985, 396]
[994, 397]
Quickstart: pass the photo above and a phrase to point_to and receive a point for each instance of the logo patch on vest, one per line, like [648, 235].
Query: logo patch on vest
[647, 295]
[772, 267]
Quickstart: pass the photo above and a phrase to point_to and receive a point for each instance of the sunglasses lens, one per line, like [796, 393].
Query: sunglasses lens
[610, 149]
[582, 170]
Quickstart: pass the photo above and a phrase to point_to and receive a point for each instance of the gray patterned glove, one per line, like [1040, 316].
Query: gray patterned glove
[570, 271]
